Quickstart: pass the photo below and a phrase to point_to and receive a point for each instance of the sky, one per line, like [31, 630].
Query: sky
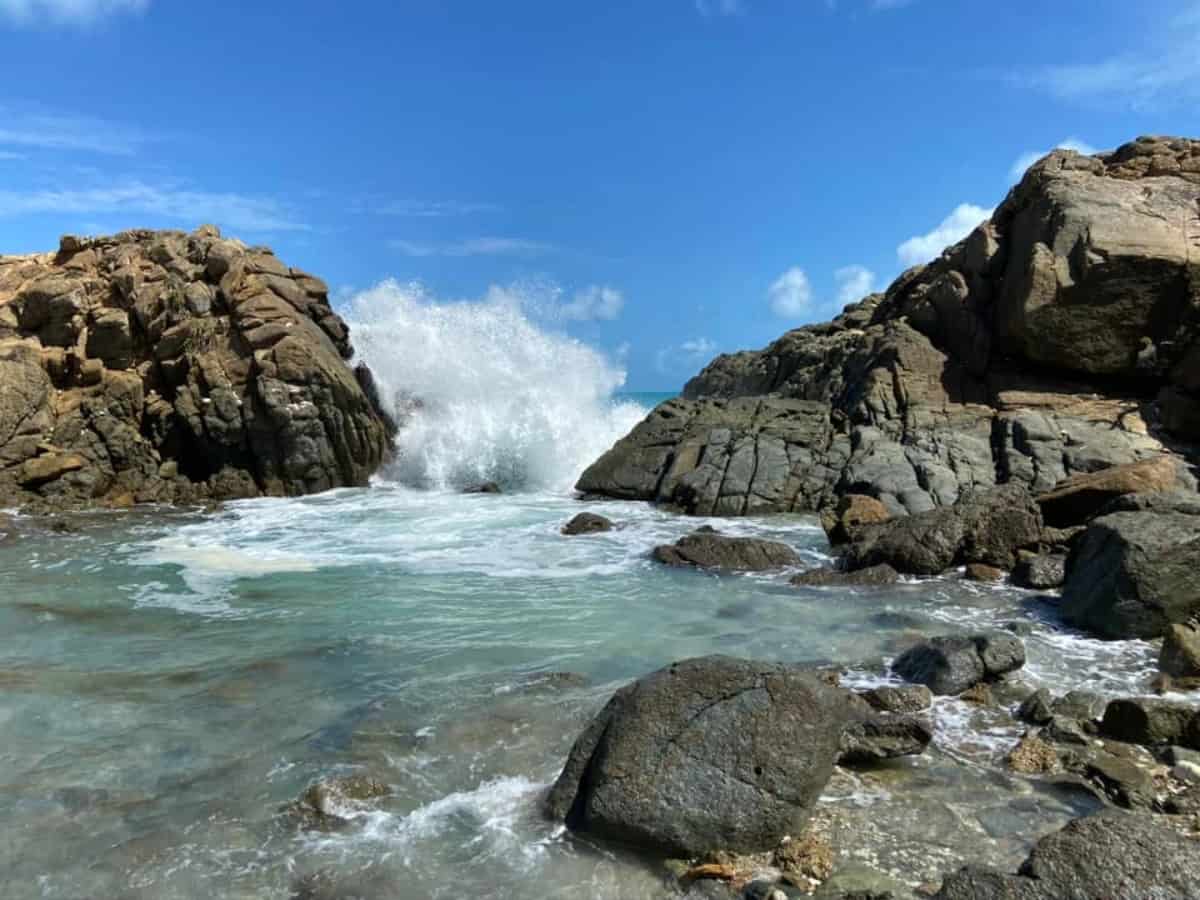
[663, 179]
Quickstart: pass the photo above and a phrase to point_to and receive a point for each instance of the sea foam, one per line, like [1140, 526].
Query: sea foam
[484, 393]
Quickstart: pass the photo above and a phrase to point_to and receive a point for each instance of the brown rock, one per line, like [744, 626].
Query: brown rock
[982, 572]
[805, 861]
[852, 512]
[49, 467]
[1180, 656]
[1078, 498]
[1033, 756]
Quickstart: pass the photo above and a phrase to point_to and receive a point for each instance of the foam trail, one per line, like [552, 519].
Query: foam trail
[483, 393]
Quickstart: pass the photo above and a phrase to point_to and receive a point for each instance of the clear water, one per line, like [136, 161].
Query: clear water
[169, 680]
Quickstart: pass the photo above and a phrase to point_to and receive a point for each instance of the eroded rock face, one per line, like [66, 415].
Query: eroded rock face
[163, 366]
[1046, 345]
[707, 753]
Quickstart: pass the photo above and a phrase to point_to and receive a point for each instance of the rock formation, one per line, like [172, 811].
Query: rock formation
[1060, 338]
[172, 367]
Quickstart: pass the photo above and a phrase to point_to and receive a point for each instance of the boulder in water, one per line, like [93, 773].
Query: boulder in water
[851, 513]
[1040, 571]
[907, 698]
[872, 576]
[1180, 656]
[329, 803]
[877, 738]
[485, 487]
[587, 523]
[706, 753]
[710, 550]
[951, 665]
[1149, 722]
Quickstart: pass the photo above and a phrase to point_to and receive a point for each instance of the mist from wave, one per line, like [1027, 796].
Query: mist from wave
[484, 392]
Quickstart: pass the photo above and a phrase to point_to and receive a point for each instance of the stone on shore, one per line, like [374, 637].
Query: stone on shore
[710, 550]
[706, 753]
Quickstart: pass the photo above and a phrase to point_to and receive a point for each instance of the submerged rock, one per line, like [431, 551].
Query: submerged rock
[951, 665]
[907, 698]
[872, 576]
[1110, 854]
[587, 523]
[486, 487]
[710, 752]
[710, 550]
[329, 803]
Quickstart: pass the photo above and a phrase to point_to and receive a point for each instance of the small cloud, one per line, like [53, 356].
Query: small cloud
[891, 4]
[44, 130]
[956, 226]
[791, 294]
[1025, 160]
[684, 357]
[482, 246]
[66, 12]
[594, 302]
[712, 8]
[425, 209]
[169, 201]
[854, 283]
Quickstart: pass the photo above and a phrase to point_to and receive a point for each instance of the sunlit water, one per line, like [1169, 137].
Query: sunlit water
[170, 680]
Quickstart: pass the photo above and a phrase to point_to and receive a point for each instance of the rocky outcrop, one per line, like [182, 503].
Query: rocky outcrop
[1110, 854]
[704, 754]
[1133, 573]
[710, 550]
[1059, 339]
[163, 366]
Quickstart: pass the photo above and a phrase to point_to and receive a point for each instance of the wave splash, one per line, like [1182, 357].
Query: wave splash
[483, 393]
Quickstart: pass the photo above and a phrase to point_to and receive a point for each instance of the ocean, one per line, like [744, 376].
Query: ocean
[171, 679]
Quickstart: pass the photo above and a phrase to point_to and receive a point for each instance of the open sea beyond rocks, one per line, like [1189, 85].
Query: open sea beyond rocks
[173, 679]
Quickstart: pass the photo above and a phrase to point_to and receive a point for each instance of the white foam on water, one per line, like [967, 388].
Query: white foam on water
[484, 393]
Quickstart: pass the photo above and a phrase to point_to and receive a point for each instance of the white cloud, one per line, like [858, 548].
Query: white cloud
[791, 294]
[44, 130]
[684, 357]
[133, 198]
[710, 8]
[891, 4]
[956, 226]
[854, 283]
[594, 302]
[424, 209]
[1025, 160]
[481, 246]
[66, 12]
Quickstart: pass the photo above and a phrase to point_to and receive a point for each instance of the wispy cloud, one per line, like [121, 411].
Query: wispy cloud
[480, 246]
[66, 12]
[891, 4]
[854, 283]
[170, 201]
[44, 130]
[791, 294]
[1163, 70]
[1025, 160]
[712, 8]
[425, 209]
[594, 302]
[956, 226]
[685, 356]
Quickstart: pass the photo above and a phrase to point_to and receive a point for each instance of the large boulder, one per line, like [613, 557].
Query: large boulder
[951, 665]
[710, 550]
[1133, 573]
[1141, 720]
[704, 754]
[1111, 854]
[988, 527]
[163, 366]
[1078, 498]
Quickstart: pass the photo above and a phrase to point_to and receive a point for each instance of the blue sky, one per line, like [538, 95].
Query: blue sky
[666, 178]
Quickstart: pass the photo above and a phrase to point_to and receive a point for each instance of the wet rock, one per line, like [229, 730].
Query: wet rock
[873, 576]
[587, 523]
[984, 573]
[1034, 756]
[1040, 572]
[980, 694]
[907, 698]
[1037, 708]
[1077, 499]
[882, 737]
[1126, 784]
[708, 550]
[1180, 656]
[329, 803]
[1111, 854]
[804, 861]
[710, 752]
[851, 512]
[950, 665]
[486, 487]
[1139, 720]
[1083, 706]
[1133, 574]
[987, 527]
[1061, 730]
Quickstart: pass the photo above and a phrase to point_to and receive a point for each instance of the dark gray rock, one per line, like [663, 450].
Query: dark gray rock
[951, 665]
[873, 576]
[908, 698]
[486, 487]
[985, 527]
[587, 523]
[1036, 708]
[1133, 574]
[1041, 572]
[1082, 705]
[1140, 720]
[706, 753]
[1113, 854]
[709, 550]
[882, 737]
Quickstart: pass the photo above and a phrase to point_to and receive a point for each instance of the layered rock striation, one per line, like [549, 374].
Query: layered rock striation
[1060, 338]
[170, 367]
